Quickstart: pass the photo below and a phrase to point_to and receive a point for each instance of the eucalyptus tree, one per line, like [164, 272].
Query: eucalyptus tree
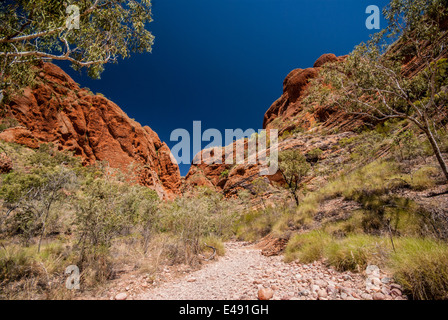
[401, 73]
[294, 168]
[88, 33]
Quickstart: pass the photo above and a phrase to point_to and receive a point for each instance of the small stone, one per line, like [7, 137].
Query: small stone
[121, 296]
[366, 296]
[379, 296]
[396, 292]
[332, 290]
[395, 286]
[315, 288]
[385, 291]
[386, 280]
[346, 290]
[373, 270]
[191, 280]
[265, 294]
[374, 288]
[322, 294]
[304, 293]
[320, 283]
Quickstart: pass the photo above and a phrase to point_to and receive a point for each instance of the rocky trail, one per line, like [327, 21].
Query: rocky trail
[245, 274]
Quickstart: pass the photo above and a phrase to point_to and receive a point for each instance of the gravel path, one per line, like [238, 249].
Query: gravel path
[243, 273]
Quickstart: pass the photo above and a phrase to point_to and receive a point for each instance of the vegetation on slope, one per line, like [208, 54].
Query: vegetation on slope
[56, 213]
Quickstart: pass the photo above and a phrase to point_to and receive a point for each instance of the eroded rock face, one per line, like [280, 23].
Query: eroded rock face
[57, 110]
[288, 113]
[231, 178]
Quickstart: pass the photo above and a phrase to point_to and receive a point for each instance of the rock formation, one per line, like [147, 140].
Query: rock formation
[57, 110]
[288, 112]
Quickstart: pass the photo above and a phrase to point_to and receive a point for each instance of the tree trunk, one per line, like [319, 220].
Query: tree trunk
[437, 152]
[43, 231]
[296, 198]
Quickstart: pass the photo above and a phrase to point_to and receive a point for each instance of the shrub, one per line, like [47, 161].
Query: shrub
[31, 200]
[105, 210]
[356, 252]
[224, 174]
[7, 123]
[195, 216]
[256, 224]
[293, 167]
[49, 156]
[421, 267]
[307, 247]
[423, 178]
[286, 134]
[407, 145]
[314, 155]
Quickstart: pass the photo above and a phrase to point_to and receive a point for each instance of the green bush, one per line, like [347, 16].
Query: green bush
[423, 178]
[307, 247]
[314, 155]
[201, 214]
[49, 156]
[32, 201]
[256, 224]
[7, 123]
[355, 252]
[421, 267]
[224, 174]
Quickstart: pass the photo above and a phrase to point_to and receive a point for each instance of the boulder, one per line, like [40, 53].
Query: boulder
[265, 294]
[5, 163]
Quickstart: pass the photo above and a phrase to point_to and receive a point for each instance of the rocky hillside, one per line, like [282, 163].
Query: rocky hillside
[300, 127]
[288, 112]
[232, 178]
[58, 111]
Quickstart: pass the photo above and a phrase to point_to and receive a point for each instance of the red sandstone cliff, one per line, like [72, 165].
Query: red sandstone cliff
[57, 110]
[289, 112]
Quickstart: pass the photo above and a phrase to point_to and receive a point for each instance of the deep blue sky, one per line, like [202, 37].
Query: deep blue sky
[223, 61]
